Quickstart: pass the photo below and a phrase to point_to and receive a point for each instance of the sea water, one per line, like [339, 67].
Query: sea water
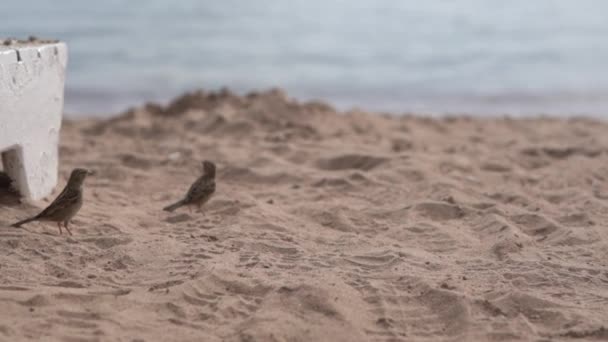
[482, 57]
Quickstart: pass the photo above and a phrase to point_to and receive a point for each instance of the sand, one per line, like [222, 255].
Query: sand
[325, 226]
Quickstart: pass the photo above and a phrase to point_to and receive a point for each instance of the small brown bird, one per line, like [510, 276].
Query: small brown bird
[200, 191]
[66, 205]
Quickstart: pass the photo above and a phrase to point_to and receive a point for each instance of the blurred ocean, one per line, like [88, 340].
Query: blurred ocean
[472, 56]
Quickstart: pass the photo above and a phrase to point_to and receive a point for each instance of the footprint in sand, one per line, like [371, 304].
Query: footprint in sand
[351, 162]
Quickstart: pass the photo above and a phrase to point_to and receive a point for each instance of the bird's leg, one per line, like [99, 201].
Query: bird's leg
[65, 224]
[59, 225]
[190, 209]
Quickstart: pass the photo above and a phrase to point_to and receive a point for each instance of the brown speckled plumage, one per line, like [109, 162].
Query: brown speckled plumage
[66, 205]
[200, 191]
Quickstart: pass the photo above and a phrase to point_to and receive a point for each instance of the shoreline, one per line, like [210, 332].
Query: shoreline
[325, 226]
[98, 104]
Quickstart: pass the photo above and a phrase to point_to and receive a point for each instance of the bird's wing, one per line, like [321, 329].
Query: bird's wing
[67, 198]
[201, 188]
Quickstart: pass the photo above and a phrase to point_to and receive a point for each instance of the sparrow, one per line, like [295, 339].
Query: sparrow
[66, 205]
[200, 191]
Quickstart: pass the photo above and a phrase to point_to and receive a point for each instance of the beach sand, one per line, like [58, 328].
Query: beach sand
[325, 226]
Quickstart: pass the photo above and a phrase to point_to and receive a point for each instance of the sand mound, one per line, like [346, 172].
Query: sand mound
[326, 227]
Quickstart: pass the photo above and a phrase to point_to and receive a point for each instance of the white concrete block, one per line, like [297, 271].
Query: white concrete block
[32, 78]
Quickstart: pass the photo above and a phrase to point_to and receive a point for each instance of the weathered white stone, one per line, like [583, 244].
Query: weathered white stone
[32, 77]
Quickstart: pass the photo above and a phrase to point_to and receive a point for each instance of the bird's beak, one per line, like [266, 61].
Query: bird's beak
[91, 173]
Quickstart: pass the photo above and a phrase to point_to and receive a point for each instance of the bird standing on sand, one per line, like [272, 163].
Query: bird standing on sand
[66, 205]
[200, 191]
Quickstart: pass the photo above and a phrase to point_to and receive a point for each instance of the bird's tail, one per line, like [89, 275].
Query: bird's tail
[20, 223]
[174, 206]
